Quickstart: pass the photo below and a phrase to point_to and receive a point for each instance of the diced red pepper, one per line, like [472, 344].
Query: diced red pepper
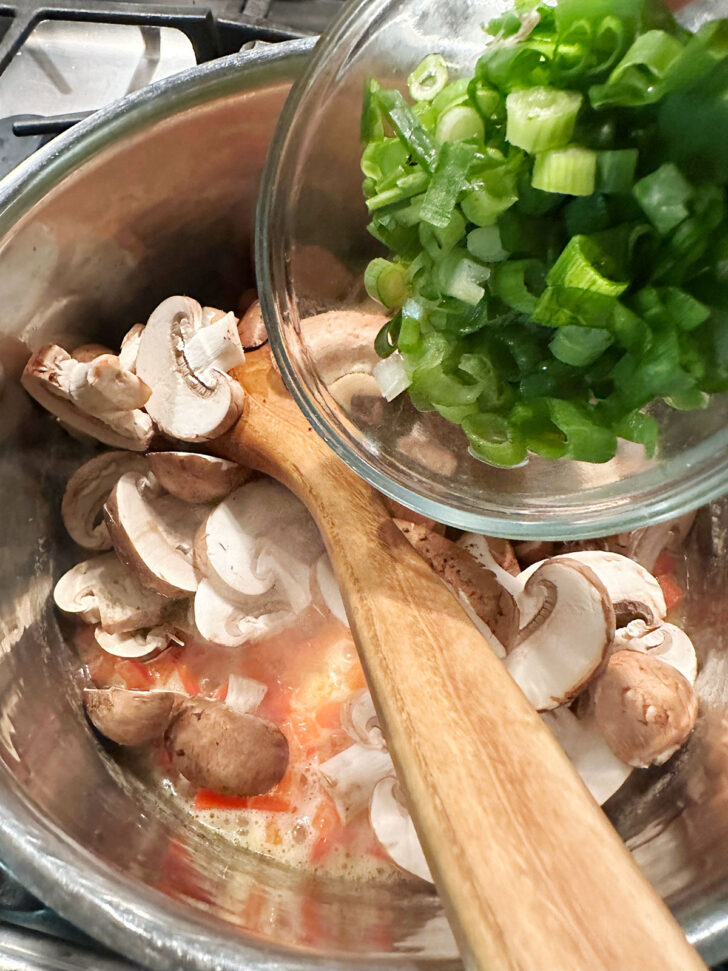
[672, 590]
[136, 675]
[222, 692]
[205, 799]
[189, 681]
[329, 715]
[665, 563]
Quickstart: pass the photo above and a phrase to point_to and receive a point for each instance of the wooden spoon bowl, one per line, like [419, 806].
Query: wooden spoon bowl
[530, 871]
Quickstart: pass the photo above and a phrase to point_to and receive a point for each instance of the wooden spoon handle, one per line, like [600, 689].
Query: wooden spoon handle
[531, 873]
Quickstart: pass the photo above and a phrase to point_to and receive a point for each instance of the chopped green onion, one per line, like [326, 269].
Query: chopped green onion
[428, 78]
[485, 245]
[508, 281]
[635, 81]
[663, 196]
[582, 266]
[494, 440]
[462, 278]
[640, 428]
[587, 440]
[459, 123]
[483, 208]
[386, 282]
[385, 343]
[580, 346]
[411, 133]
[446, 184]
[570, 171]
[616, 170]
[541, 118]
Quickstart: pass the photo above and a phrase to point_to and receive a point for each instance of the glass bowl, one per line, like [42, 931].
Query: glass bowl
[312, 248]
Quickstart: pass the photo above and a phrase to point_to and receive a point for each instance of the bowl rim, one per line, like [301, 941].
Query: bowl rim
[615, 515]
[125, 915]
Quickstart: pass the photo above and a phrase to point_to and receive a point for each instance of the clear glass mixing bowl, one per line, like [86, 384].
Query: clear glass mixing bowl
[311, 252]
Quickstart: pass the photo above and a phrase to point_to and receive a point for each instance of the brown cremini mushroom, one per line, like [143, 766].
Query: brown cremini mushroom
[194, 477]
[131, 717]
[252, 328]
[644, 708]
[215, 747]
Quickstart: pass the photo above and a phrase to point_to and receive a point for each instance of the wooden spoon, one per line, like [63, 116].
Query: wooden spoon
[532, 874]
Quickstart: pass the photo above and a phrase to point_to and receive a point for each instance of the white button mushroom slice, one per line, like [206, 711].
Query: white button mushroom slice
[644, 708]
[102, 387]
[215, 345]
[219, 621]
[46, 378]
[244, 694]
[600, 769]
[259, 535]
[196, 478]
[342, 342]
[252, 327]
[567, 625]
[134, 644]
[351, 775]
[130, 348]
[393, 827]
[355, 385]
[360, 721]
[154, 535]
[329, 588]
[102, 590]
[89, 352]
[87, 491]
[188, 404]
[634, 592]
[479, 547]
[666, 642]
[645, 545]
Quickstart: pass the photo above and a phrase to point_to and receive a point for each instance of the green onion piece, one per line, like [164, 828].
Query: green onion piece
[382, 156]
[663, 196]
[413, 136]
[486, 99]
[567, 306]
[616, 170]
[459, 123]
[494, 440]
[447, 182]
[485, 245]
[457, 413]
[450, 235]
[640, 428]
[455, 93]
[483, 208]
[408, 186]
[687, 312]
[385, 343]
[582, 265]
[587, 440]
[410, 332]
[533, 420]
[705, 49]
[587, 214]
[372, 122]
[386, 282]
[428, 78]
[570, 171]
[431, 352]
[636, 80]
[462, 278]
[508, 281]
[542, 118]
[580, 346]
[437, 387]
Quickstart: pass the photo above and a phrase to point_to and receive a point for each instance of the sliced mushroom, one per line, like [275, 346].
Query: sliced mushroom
[644, 708]
[89, 352]
[398, 511]
[131, 717]
[393, 827]
[134, 644]
[252, 327]
[342, 342]
[103, 591]
[47, 378]
[329, 588]
[357, 385]
[102, 387]
[645, 545]
[600, 769]
[219, 621]
[360, 722]
[567, 625]
[533, 551]
[350, 777]
[635, 594]
[259, 537]
[154, 534]
[215, 747]
[130, 348]
[495, 556]
[185, 364]
[478, 586]
[87, 491]
[666, 642]
[196, 478]
[244, 694]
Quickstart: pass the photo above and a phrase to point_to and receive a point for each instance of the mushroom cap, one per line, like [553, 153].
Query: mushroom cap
[666, 642]
[644, 708]
[45, 378]
[131, 717]
[495, 556]
[634, 592]
[393, 827]
[102, 387]
[215, 747]
[350, 776]
[134, 644]
[87, 491]
[259, 537]
[102, 590]
[154, 535]
[196, 478]
[89, 352]
[188, 404]
[473, 583]
[600, 769]
[130, 347]
[567, 625]
[252, 327]
[230, 624]
[360, 721]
